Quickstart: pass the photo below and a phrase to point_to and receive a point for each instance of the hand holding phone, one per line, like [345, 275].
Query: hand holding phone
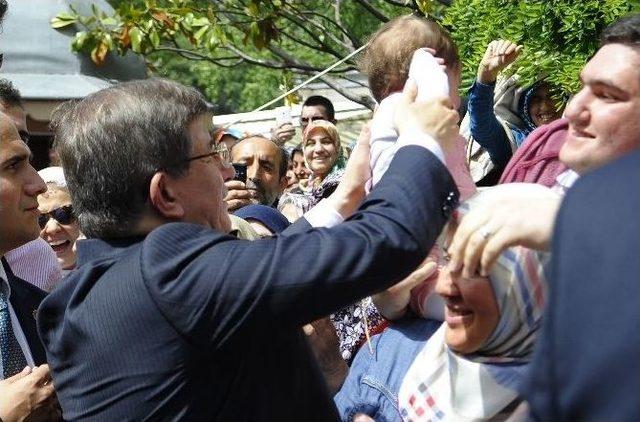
[241, 172]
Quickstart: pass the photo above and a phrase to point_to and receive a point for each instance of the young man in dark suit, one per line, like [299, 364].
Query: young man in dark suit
[25, 390]
[586, 363]
[167, 317]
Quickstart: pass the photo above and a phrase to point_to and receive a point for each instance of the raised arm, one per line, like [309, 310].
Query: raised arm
[484, 125]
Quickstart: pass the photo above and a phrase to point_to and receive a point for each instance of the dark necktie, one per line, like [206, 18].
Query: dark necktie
[13, 360]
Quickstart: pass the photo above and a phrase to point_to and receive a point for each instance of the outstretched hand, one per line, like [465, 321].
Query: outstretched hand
[393, 302]
[499, 54]
[517, 214]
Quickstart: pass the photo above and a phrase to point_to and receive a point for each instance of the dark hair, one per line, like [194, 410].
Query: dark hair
[284, 162]
[319, 100]
[112, 142]
[387, 58]
[9, 95]
[296, 150]
[3, 10]
[623, 31]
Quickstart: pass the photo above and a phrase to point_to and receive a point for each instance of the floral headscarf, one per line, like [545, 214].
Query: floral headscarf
[331, 131]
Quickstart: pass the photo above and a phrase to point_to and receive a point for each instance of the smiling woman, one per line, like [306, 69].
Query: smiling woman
[58, 224]
[471, 366]
[322, 152]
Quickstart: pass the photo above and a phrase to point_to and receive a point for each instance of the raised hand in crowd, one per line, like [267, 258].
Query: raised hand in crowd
[437, 117]
[29, 395]
[499, 54]
[283, 133]
[518, 214]
[394, 302]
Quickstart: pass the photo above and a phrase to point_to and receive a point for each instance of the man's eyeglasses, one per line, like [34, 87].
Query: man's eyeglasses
[220, 150]
[63, 215]
[305, 120]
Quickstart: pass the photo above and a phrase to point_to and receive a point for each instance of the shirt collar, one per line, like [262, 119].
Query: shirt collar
[90, 249]
[4, 281]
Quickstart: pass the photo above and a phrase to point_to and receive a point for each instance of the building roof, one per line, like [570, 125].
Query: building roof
[39, 61]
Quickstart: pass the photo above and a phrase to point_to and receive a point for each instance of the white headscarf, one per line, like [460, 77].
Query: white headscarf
[443, 385]
[53, 175]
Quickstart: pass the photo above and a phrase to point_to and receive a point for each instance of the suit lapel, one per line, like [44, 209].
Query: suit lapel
[25, 299]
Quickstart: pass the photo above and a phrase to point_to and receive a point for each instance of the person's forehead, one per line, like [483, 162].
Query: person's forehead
[614, 64]
[314, 111]
[17, 115]
[53, 198]
[10, 139]
[256, 146]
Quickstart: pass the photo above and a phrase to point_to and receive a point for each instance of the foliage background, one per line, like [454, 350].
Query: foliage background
[273, 42]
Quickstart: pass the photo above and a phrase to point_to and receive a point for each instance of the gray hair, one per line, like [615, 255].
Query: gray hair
[112, 142]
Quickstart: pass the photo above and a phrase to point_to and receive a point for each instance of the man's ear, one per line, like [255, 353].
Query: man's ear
[164, 198]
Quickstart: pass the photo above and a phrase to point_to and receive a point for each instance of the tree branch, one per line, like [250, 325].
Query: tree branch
[366, 101]
[371, 9]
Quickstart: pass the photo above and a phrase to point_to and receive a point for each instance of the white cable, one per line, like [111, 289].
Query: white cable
[294, 89]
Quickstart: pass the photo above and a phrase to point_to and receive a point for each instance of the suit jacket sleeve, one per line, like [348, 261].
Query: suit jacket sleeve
[213, 287]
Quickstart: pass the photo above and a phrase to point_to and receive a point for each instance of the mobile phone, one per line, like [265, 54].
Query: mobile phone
[241, 172]
[283, 115]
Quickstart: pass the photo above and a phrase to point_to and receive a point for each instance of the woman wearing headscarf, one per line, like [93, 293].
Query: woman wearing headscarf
[323, 156]
[470, 366]
[502, 113]
[58, 223]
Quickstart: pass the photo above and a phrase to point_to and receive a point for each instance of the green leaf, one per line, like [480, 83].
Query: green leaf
[63, 19]
[155, 39]
[109, 21]
[136, 39]
[200, 33]
[79, 40]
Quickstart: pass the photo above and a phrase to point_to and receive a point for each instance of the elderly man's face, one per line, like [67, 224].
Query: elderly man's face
[20, 186]
[604, 117]
[262, 158]
[202, 189]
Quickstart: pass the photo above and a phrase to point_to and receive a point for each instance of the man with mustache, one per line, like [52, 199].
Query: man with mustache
[266, 173]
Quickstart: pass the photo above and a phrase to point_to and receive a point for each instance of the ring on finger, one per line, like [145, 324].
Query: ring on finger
[485, 232]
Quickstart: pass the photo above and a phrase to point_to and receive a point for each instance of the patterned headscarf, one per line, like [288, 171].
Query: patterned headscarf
[331, 180]
[331, 131]
[443, 385]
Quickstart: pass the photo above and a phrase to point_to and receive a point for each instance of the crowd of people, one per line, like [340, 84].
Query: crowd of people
[448, 268]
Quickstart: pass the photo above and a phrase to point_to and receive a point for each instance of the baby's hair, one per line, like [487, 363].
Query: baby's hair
[387, 58]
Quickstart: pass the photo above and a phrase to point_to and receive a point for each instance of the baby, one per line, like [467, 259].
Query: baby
[416, 48]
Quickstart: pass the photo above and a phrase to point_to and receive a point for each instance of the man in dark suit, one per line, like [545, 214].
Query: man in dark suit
[25, 390]
[586, 364]
[167, 317]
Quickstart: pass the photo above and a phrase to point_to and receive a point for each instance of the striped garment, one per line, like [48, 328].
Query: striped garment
[443, 385]
[36, 263]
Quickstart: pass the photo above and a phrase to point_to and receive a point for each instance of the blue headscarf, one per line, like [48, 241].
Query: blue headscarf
[269, 217]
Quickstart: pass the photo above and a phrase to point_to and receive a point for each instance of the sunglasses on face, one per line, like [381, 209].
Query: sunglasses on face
[63, 215]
